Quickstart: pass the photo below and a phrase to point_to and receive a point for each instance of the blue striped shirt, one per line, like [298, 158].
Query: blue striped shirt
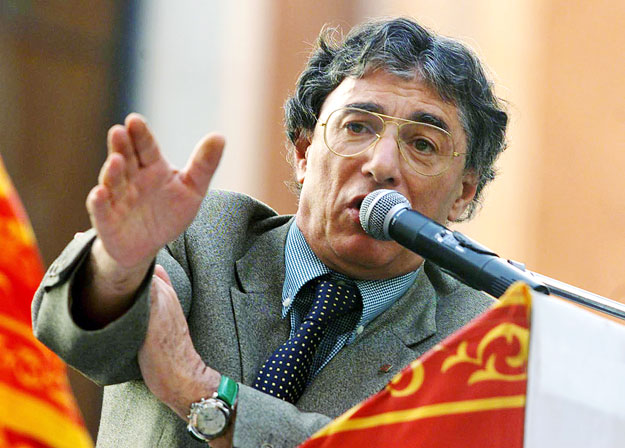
[302, 265]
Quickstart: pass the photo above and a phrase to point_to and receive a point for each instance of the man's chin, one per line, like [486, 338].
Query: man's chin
[369, 258]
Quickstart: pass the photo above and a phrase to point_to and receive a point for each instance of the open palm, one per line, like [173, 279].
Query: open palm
[141, 202]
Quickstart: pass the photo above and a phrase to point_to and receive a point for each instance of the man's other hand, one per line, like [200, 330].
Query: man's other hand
[171, 367]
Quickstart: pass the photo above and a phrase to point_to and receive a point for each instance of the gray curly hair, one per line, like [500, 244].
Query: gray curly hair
[405, 49]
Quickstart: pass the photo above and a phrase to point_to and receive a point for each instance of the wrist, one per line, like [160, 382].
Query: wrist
[113, 277]
[194, 381]
[103, 290]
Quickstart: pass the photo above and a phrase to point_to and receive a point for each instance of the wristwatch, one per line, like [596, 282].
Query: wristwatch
[209, 418]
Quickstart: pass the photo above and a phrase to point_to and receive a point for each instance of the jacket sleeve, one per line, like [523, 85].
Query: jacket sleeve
[263, 420]
[107, 355]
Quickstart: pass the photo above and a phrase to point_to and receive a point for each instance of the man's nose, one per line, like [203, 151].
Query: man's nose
[384, 160]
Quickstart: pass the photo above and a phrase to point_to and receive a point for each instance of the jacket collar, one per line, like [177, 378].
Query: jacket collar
[261, 269]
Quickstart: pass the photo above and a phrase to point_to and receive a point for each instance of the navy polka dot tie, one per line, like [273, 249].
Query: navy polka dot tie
[285, 373]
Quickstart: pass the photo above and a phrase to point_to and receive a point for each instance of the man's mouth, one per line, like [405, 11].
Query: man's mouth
[356, 202]
[353, 207]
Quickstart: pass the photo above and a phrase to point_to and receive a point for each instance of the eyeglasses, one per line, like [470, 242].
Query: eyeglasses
[427, 149]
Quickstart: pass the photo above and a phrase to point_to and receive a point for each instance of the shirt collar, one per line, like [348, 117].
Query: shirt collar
[302, 265]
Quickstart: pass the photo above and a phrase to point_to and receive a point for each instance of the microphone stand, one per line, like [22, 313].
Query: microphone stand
[577, 295]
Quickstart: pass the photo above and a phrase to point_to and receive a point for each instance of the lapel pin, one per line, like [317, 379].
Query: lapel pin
[385, 368]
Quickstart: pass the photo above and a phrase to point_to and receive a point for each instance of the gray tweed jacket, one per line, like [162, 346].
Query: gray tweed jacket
[228, 271]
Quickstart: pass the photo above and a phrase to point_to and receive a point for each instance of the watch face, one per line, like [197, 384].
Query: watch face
[211, 420]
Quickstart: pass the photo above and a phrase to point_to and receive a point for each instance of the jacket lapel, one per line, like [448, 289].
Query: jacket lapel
[257, 301]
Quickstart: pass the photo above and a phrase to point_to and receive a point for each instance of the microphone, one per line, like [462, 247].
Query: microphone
[386, 215]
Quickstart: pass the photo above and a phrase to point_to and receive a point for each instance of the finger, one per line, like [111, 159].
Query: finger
[106, 166]
[162, 294]
[144, 144]
[98, 205]
[118, 141]
[161, 273]
[203, 163]
[112, 176]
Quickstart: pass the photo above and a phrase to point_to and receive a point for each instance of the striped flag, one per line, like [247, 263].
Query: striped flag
[37, 408]
[469, 391]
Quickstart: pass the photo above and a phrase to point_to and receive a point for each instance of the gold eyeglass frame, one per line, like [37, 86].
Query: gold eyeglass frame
[400, 122]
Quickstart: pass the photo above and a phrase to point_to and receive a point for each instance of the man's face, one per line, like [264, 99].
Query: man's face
[333, 187]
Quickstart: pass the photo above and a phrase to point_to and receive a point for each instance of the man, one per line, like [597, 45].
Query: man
[392, 106]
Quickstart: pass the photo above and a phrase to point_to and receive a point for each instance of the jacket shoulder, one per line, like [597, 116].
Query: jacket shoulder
[227, 225]
[457, 303]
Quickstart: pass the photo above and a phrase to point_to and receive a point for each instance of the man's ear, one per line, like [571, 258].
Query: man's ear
[302, 143]
[466, 193]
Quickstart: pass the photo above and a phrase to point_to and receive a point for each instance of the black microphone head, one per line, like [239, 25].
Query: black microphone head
[377, 209]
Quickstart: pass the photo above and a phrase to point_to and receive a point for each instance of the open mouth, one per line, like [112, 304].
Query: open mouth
[354, 208]
[359, 203]
[356, 202]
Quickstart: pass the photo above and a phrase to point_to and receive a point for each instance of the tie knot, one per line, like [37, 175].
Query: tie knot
[333, 298]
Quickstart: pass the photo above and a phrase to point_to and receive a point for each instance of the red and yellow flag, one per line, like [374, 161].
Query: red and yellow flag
[468, 391]
[37, 408]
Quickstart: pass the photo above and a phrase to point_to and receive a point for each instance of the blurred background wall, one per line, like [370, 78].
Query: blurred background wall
[70, 69]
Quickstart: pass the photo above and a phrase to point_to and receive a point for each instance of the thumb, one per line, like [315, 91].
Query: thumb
[161, 273]
[203, 163]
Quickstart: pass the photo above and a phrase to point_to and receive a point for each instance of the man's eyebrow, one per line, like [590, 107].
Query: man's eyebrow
[421, 117]
[371, 107]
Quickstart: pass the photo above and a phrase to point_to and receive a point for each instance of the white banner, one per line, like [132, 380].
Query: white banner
[576, 378]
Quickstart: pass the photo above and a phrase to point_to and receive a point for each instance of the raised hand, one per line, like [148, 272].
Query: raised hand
[141, 202]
